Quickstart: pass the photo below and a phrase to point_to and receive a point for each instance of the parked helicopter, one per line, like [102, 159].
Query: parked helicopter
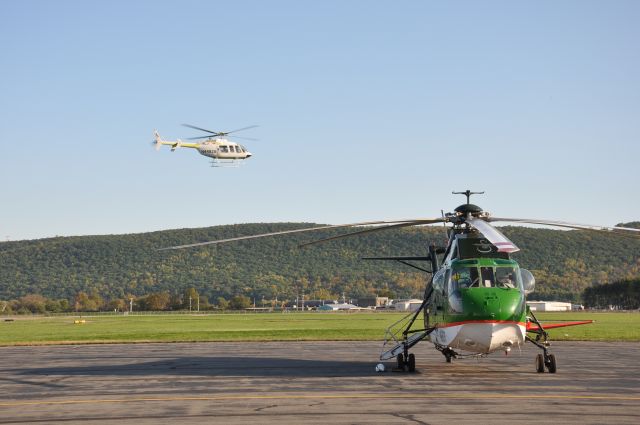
[216, 146]
[475, 299]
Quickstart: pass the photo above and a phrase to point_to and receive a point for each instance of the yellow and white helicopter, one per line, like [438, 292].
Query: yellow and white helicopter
[216, 146]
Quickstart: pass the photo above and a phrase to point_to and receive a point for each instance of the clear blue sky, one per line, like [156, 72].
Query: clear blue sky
[367, 110]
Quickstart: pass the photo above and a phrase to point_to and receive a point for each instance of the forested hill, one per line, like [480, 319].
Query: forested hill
[564, 263]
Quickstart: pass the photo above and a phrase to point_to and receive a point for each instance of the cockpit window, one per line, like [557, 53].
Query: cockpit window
[506, 277]
[488, 277]
[464, 277]
[484, 277]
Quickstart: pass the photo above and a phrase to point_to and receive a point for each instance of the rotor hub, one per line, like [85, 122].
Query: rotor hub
[466, 209]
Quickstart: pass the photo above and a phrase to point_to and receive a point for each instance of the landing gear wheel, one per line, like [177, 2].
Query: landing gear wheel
[411, 363]
[539, 363]
[551, 363]
[400, 361]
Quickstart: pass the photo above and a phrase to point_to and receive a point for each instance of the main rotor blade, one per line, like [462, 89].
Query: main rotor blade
[493, 235]
[201, 129]
[285, 232]
[243, 128]
[414, 258]
[202, 137]
[577, 226]
[376, 229]
[244, 138]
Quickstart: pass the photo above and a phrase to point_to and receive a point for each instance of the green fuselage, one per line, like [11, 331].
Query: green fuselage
[478, 305]
[476, 290]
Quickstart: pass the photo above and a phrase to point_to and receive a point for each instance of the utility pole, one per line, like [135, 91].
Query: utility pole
[189, 303]
[198, 303]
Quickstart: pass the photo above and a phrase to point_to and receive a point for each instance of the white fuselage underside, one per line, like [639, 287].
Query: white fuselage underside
[481, 338]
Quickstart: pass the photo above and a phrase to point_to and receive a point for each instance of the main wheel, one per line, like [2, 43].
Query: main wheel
[411, 363]
[400, 361]
[551, 363]
[539, 363]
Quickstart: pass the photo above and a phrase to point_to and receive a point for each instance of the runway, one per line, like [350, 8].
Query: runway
[313, 382]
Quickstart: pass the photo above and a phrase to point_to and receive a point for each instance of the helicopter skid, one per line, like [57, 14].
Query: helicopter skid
[481, 337]
[226, 163]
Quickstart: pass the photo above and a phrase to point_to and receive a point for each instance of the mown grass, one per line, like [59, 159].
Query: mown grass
[608, 326]
[216, 327]
[268, 327]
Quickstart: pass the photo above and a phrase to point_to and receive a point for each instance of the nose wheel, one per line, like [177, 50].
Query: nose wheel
[407, 362]
[545, 361]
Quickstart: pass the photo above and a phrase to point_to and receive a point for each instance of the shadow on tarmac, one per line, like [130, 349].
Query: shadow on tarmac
[219, 366]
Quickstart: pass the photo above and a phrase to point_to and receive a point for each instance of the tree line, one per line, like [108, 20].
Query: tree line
[118, 267]
[623, 295]
[189, 300]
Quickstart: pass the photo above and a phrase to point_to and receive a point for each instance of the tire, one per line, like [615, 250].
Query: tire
[400, 361]
[551, 366]
[411, 363]
[539, 363]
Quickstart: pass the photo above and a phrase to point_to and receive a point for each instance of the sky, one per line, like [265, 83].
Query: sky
[367, 110]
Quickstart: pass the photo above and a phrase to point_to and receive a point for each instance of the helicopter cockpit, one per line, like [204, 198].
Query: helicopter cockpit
[466, 277]
[485, 277]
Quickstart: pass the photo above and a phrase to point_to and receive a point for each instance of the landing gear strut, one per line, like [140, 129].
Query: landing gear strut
[400, 332]
[546, 359]
[449, 354]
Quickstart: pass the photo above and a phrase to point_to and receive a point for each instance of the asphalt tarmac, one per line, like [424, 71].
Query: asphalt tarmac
[313, 383]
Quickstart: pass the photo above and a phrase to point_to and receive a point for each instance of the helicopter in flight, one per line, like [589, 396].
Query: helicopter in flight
[474, 302]
[223, 152]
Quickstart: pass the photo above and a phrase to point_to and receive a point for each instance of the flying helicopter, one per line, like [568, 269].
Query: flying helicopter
[223, 152]
[474, 302]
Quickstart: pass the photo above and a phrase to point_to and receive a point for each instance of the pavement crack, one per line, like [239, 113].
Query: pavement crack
[259, 409]
[410, 418]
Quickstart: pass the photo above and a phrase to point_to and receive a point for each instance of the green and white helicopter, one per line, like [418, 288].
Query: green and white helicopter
[474, 301]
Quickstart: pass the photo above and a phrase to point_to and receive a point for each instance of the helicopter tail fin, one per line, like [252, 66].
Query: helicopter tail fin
[175, 144]
[157, 139]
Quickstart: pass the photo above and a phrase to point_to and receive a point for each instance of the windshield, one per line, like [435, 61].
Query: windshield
[484, 277]
[506, 277]
[464, 277]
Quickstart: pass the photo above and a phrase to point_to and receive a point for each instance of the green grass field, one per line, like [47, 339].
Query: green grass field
[267, 327]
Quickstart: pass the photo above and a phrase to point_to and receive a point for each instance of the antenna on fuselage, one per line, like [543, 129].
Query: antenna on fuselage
[468, 193]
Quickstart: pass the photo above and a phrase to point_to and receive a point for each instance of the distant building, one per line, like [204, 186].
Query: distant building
[549, 306]
[308, 304]
[406, 305]
[375, 302]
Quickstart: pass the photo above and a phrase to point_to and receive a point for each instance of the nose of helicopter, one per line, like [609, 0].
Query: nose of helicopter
[249, 154]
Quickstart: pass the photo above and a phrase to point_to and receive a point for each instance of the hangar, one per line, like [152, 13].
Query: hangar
[549, 306]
